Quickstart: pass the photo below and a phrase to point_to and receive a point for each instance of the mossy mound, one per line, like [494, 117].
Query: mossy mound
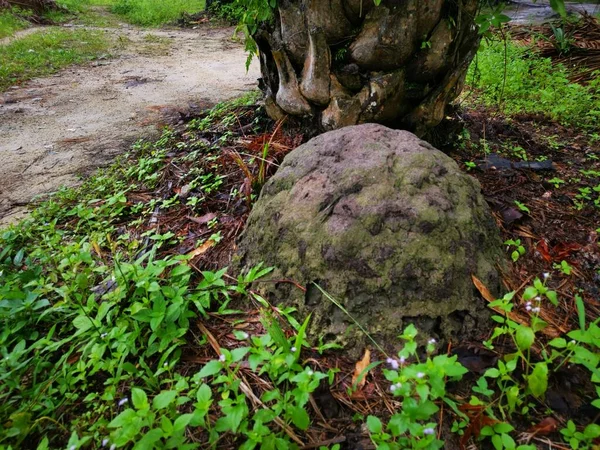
[387, 225]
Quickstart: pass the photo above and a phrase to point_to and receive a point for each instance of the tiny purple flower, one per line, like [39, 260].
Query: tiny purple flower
[420, 375]
[431, 341]
[105, 442]
[222, 357]
[123, 401]
[538, 299]
[393, 388]
[528, 308]
[428, 431]
[402, 360]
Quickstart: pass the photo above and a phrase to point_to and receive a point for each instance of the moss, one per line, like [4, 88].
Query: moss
[390, 227]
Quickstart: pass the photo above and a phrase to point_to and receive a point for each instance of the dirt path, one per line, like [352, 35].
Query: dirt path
[55, 129]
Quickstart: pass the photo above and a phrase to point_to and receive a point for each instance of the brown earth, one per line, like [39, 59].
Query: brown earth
[53, 130]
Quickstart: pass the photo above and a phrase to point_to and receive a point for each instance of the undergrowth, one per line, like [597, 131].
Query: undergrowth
[516, 80]
[108, 328]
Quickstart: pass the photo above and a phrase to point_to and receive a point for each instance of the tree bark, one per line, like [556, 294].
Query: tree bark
[344, 62]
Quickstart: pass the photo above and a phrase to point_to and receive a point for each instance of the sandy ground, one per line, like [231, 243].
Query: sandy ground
[57, 129]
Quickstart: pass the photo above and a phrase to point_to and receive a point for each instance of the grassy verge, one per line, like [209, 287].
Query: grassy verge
[47, 51]
[10, 23]
[152, 13]
[524, 83]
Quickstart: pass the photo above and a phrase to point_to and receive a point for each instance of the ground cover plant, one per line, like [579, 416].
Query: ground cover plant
[122, 327]
[46, 52]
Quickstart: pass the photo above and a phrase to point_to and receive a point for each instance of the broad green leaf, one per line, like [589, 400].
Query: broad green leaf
[123, 419]
[374, 425]
[299, 417]
[211, 368]
[139, 399]
[538, 380]
[182, 421]
[149, 439]
[239, 353]
[524, 337]
[164, 399]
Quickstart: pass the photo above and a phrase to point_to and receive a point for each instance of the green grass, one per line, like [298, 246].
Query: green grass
[154, 13]
[532, 85]
[9, 23]
[47, 51]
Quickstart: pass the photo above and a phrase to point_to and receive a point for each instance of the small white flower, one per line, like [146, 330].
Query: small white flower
[535, 310]
[428, 431]
[431, 341]
[393, 388]
[546, 275]
[528, 304]
[538, 299]
[123, 401]
[245, 335]
[72, 447]
[113, 447]
[420, 375]
[165, 364]
[402, 360]
[392, 363]
[573, 342]
[103, 335]
[222, 358]
[528, 307]
[310, 373]
[398, 385]
[105, 442]
[293, 349]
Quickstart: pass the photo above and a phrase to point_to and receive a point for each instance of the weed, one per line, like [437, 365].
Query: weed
[532, 85]
[518, 251]
[556, 182]
[564, 267]
[522, 207]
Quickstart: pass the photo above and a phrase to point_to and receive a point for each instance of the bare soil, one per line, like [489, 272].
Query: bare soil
[55, 130]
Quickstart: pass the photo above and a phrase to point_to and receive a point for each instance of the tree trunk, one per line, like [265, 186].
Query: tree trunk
[344, 62]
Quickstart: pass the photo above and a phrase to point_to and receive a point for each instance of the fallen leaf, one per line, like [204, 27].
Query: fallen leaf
[360, 371]
[203, 219]
[542, 248]
[547, 426]
[483, 290]
[510, 215]
[202, 249]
